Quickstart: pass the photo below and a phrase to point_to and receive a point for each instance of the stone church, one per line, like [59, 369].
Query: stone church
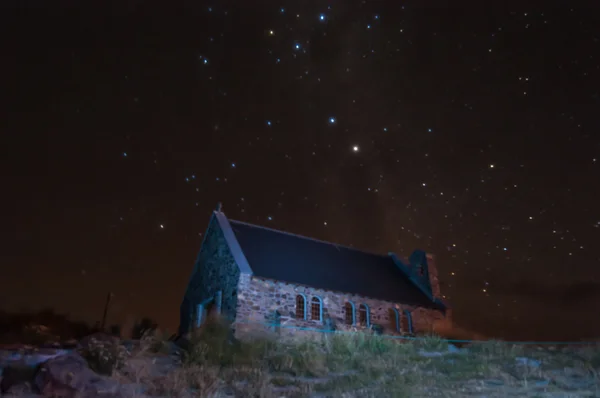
[254, 276]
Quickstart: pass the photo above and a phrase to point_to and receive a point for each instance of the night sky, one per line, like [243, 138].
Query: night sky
[471, 133]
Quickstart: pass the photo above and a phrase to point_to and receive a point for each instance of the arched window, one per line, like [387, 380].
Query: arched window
[300, 306]
[364, 315]
[316, 309]
[350, 313]
[407, 326]
[395, 319]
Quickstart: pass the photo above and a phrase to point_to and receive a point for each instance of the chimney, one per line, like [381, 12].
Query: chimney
[220, 207]
[433, 276]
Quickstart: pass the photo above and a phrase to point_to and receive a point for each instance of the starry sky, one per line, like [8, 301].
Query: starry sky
[468, 132]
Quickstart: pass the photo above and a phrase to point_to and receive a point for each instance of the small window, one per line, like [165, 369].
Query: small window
[394, 319]
[300, 307]
[350, 315]
[364, 315]
[315, 309]
[406, 322]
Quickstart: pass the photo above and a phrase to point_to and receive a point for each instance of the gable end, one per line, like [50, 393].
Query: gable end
[232, 242]
[411, 276]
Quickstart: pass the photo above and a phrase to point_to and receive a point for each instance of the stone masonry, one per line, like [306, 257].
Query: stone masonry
[261, 301]
[215, 271]
[433, 276]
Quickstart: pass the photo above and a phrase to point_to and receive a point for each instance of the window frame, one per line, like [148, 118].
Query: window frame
[367, 315]
[304, 301]
[397, 319]
[409, 321]
[319, 301]
[352, 314]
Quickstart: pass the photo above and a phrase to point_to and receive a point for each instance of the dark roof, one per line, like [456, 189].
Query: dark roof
[296, 259]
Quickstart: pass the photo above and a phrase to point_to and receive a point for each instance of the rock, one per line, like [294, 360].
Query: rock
[532, 363]
[428, 354]
[452, 349]
[29, 357]
[40, 356]
[13, 376]
[69, 376]
[15, 347]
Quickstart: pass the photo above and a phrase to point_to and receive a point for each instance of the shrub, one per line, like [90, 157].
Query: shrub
[104, 357]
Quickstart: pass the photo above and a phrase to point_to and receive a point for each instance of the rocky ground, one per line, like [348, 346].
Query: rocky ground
[213, 364]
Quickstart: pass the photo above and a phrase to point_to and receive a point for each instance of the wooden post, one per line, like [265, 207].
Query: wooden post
[108, 298]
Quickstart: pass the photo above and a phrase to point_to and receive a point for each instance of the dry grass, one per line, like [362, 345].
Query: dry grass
[358, 365]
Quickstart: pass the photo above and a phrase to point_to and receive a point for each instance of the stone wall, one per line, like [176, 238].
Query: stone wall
[215, 270]
[434, 280]
[259, 300]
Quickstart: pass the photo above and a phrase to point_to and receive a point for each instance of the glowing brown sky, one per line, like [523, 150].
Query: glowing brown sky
[476, 133]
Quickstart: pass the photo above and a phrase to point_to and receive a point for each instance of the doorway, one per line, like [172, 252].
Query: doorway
[211, 311]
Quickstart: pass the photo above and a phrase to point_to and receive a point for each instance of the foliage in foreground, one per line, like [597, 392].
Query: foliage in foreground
[363, 364]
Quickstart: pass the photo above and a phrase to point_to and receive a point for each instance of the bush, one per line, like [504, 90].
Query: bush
[104, 357]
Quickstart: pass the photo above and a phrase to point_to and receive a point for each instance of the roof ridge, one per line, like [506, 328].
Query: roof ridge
[336, 245]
